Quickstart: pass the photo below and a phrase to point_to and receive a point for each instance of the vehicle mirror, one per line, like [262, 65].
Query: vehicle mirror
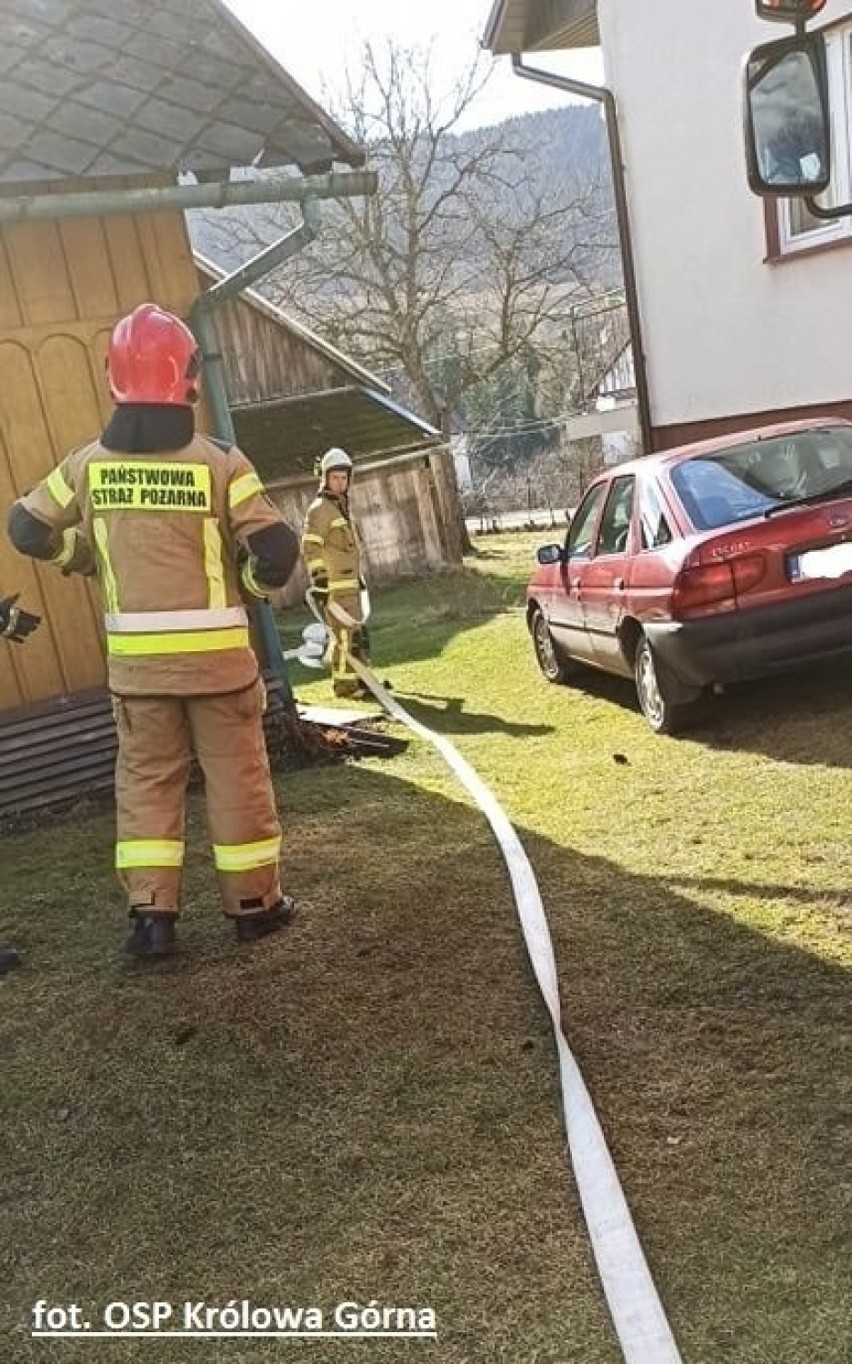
[788, 11]
[786, 116]
[549, 554]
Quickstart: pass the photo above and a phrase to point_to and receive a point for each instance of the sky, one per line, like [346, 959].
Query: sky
[315, 39]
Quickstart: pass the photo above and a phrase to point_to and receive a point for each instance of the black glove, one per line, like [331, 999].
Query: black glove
[319, 587]
[15, 622]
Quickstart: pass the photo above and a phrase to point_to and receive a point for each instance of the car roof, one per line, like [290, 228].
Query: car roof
[677, 454]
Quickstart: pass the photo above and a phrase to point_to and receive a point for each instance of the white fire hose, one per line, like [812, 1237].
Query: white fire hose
[637, 1313]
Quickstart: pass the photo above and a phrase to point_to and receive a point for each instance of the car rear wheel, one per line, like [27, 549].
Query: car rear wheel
[552, 663]
[653, 688]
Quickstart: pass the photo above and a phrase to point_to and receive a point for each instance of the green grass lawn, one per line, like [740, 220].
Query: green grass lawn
[367, 1107]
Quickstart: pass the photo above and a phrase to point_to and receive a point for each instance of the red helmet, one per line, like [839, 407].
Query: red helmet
[153, 358]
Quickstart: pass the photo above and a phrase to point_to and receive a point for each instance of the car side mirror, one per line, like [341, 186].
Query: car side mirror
[786, 117]
[549, 554]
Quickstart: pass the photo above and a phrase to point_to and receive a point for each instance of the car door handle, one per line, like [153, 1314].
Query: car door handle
[618, 584]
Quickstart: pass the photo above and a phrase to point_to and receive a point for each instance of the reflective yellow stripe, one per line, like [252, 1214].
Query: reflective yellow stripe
[109, 586]
[149, 852]
[338, 521]
[246, 856]
[178, 642]
[66, 552]
[250, 582]
[344, 585]
[314, 539]
[213, 564]
[58, 489]
[315, 563]
[247, 485]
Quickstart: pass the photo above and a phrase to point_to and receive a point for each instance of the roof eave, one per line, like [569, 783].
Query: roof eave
[516, 26]
[346, 150]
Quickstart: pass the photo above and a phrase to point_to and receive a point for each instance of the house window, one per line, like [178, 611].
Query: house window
[798, 229]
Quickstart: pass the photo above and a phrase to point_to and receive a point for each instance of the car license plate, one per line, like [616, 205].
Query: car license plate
[832, 562]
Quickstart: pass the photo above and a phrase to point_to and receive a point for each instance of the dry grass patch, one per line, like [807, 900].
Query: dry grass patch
[367, 1108]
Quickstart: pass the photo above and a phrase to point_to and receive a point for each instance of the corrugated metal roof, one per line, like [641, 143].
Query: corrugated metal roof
[284, 437]
[541, 26]
[131, 87]
[54, 754]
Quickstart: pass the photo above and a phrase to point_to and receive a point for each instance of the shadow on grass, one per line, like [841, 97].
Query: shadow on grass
[366, 1107]
[453, 715]
[801, 718]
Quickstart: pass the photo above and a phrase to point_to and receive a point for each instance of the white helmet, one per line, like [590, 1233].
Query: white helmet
[335, 458]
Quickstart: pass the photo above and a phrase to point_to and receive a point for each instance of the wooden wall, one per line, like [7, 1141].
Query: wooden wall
[397, 506]
[62, 287]
[262, 359]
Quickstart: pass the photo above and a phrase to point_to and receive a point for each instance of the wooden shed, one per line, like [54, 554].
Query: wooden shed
[97, 97]
[293, 395]
[114, 119]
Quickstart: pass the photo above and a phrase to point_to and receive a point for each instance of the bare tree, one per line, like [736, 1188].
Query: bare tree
[463, 260]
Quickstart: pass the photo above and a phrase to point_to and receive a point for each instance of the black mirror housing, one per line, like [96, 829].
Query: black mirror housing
[549, 554]
[786, 117]
[788, 11]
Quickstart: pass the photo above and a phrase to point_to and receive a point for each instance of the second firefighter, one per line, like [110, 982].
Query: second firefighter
[332, 555]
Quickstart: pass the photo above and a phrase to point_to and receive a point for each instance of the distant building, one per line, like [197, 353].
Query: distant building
[616, 392]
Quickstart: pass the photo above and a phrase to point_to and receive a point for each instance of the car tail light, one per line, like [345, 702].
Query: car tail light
[720, 583]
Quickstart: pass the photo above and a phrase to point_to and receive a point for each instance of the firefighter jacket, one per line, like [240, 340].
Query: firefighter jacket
[330, 546]
[177, 539]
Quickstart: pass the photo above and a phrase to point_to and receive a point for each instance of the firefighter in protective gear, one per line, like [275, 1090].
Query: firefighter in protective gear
[332, 556]
[16, 623]
[180, 533]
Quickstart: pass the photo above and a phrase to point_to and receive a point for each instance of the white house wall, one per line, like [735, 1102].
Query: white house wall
[724, 332]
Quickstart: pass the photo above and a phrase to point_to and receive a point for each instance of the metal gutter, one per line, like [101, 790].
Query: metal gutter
[601, 95]
[267, 189]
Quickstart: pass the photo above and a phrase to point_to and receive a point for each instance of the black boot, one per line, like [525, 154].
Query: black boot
[9, 959]
[250, 927]
[151, 935]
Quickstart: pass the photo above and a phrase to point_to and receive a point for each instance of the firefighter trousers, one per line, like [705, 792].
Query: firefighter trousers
[347, 640]
[156, 739]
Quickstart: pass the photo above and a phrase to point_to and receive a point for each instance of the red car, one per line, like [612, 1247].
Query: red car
[713, 563]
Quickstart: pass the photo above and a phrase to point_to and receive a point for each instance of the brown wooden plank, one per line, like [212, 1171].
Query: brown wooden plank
[87, 264]
[39, 271]
[10, 312]
[126, 261]
[72, 417]
[168, 261]
[28, 456]
[69, 391]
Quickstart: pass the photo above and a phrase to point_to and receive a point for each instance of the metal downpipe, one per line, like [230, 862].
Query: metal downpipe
[601, 95]
[203, 325]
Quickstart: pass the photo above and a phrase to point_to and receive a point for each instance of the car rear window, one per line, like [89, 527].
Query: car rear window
[746, 480]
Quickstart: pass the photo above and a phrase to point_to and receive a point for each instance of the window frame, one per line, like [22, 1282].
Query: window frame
[617, 484]
[597, 492]
[823, 234]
